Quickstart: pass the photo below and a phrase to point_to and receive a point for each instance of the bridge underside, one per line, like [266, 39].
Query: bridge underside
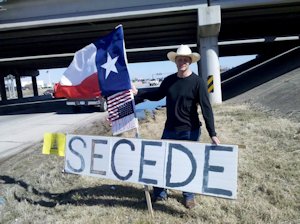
[153, 30]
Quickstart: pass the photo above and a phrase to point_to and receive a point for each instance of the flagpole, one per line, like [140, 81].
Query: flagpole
[137, 134]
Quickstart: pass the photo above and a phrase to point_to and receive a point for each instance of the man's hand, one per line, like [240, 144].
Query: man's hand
[134, 90]
[215, 140]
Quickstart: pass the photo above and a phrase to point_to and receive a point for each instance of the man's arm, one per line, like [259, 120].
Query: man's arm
[207, 112]
[154, 94]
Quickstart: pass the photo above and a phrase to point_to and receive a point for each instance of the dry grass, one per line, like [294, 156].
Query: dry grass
[36, 191]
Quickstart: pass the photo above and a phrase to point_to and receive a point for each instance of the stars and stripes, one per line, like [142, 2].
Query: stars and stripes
[120, 105]
[120, 108]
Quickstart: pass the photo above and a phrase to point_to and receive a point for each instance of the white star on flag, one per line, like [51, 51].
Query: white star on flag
[110, 65]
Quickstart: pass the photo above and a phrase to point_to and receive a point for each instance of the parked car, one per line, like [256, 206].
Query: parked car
[153, 82]
[99, 102]
[49, 92]
[83, 100]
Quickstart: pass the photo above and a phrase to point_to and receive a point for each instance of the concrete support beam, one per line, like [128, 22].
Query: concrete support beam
[209, 23]
[19, 87]
[34, 86]
[2, 89]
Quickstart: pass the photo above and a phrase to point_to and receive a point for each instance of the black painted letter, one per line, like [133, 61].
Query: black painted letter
[77, 154]
[113, 167]
[98, 156]
[147, 162]
[219, 169]
[169, 165]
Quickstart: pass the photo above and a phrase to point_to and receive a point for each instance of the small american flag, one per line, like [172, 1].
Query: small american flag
[120, 105]
[121, 112]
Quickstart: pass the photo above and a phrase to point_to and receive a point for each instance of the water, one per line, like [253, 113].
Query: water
[149, 106]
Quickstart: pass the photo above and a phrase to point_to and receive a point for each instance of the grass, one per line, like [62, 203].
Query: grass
[36, 191]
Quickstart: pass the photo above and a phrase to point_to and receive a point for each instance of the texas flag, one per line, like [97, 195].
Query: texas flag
[100, 68]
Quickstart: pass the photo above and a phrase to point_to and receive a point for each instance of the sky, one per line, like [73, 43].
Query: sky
[148, 70]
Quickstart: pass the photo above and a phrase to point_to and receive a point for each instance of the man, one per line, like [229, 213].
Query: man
[184, 91]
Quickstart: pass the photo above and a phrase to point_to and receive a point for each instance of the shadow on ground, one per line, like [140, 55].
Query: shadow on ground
[119, 195]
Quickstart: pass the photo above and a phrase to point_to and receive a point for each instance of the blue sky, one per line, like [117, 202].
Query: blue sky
[149, 69]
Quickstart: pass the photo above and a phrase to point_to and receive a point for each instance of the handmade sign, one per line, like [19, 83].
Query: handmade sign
[182, 165]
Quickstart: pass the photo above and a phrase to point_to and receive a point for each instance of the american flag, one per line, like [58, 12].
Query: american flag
[120, 105]
[121, 112]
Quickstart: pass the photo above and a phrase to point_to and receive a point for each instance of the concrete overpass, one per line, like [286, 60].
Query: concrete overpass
[44, 34]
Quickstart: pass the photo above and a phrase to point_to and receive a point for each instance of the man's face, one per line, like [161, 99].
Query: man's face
[183, 63]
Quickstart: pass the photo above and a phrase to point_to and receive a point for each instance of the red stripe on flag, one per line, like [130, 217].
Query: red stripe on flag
[117, 99]
[88, 88]
[118, 96]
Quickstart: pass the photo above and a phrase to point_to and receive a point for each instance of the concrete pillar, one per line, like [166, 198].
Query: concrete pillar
[19, 86]
[209, 22]
[34, 86]
[2, 89]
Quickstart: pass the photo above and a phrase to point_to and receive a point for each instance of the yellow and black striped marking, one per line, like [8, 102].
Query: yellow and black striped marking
[210, 84]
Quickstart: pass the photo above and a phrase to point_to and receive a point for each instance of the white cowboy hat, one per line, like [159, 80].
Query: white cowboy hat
[183, 50]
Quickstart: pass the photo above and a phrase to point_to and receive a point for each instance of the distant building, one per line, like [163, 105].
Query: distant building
[40, 84]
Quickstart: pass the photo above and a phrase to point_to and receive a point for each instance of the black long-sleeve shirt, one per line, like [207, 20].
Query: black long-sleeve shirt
[182, 97]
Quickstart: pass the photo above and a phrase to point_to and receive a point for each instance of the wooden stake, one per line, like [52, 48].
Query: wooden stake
[148, 199]
[146, 187]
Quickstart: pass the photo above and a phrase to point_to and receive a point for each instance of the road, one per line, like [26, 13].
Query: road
[20, 130]
[24, 124]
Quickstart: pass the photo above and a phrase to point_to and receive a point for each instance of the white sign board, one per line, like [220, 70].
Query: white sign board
[181, 165]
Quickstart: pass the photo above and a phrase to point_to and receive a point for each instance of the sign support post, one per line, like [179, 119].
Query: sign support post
[148, 199]
[146, 187]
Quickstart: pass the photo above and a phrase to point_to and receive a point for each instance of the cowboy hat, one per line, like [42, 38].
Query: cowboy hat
[183, 50]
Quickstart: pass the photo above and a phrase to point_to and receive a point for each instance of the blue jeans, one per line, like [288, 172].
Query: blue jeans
[193, 135]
